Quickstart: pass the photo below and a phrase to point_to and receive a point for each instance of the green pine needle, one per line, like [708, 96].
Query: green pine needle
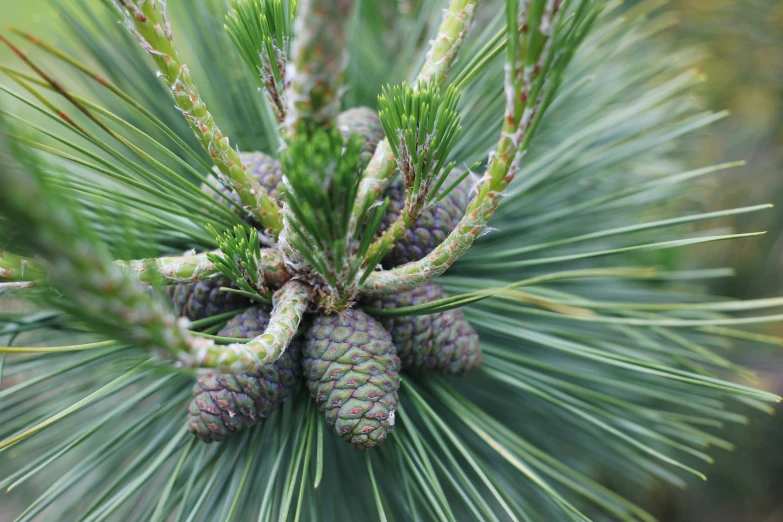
[422, 125]
[323, 172]
[240, 261]
[261, 30]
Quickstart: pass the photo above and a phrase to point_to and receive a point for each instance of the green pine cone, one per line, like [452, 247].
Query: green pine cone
[443, 343]
[434, 225]
[205, 298]
[223, 405]
[352, 371]
[364, 122]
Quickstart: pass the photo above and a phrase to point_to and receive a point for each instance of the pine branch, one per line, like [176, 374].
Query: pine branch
[91, 286]
[261, 31]
[175, 270]
[422, 126]
[318, 66]
[536, 60]
[447, 44]
[197, 267]
[443, 53]
[148, 21]
[290, 304]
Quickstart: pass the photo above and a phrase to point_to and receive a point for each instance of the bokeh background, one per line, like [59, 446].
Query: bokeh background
[741, 45]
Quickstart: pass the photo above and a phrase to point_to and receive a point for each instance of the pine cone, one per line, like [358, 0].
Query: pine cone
[364, 122]
[352, 370]
[226, 404]
[443, 343]
[205, 299]
[434, 225]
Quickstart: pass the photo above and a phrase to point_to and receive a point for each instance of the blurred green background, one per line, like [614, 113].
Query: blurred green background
[742, 44]
[742, 59]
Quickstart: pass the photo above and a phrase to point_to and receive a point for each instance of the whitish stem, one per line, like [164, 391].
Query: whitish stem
[171, 270]
[405, 221]
[521, 111]
[412, 275]
[20, 285]
[196, 267]
[290, 304]
[174, 270]
[147, 20]
[443, 54]
[318, 65]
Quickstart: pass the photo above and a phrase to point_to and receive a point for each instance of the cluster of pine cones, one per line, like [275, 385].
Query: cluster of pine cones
[349, 362]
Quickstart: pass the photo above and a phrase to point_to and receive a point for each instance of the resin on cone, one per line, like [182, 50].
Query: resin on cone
[443, 343]
[205, 298]
[352, 371]
[226, 404]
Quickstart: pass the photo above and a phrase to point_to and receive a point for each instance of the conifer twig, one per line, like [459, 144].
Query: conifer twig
[290, 304]
[318, 63]
[91, 285]
[197, 267]
[443, 53]
[174, 270]
[422, 126]
[533, 73]
[321, 170]
[261, 32]
[148, 22]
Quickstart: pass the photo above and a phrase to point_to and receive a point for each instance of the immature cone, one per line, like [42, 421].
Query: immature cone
[226, 404]
[352, 371]
[442, 342]
[365, 123]
[434, 225]
[205, 298]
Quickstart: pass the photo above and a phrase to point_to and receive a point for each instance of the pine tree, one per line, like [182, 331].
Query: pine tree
[597, 355]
